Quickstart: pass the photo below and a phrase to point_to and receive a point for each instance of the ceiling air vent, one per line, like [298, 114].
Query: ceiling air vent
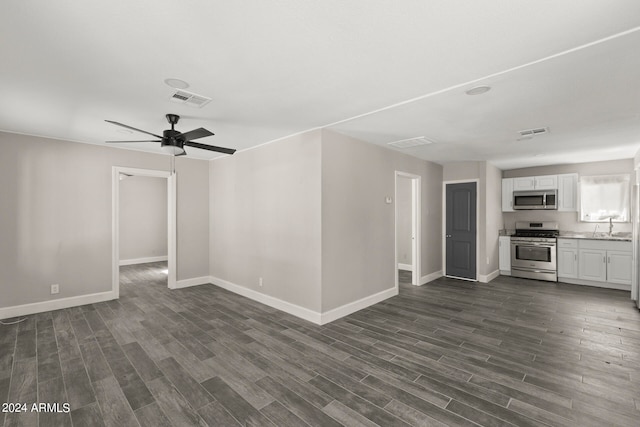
[190, 99]
[410, 142]
[530, 133]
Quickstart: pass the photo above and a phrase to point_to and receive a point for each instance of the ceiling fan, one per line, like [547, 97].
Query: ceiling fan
[173, 141]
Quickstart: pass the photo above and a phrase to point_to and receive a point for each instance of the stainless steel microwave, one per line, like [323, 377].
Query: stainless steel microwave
[535, 199]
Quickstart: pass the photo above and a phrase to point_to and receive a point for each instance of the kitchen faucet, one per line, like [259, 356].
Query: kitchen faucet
[610, 226]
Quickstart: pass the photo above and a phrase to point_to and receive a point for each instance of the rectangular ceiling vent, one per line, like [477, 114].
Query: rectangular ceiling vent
[530, 133]
[190, 99]
[410, 142]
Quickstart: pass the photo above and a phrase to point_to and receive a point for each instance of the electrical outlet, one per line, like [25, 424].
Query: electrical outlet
[487, 260]
[260, 282]
[55, 289]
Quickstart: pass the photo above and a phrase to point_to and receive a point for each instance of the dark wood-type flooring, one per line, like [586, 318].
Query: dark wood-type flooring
[510, 352]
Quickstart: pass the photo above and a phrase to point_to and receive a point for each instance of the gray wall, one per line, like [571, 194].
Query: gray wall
[55, 216]
[568, 221]
[358, 226]
[403, 201]
[143, 217]
[265, 219]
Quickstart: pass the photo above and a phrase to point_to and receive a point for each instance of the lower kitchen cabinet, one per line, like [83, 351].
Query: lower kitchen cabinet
[567, 251]
[604, 263]
[592, 264]
[504, 255]
[619, 267]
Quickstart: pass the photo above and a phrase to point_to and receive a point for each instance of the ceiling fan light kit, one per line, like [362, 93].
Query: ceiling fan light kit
[173, 141]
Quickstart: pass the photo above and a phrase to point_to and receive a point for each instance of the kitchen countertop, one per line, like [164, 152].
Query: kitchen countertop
[625, 237]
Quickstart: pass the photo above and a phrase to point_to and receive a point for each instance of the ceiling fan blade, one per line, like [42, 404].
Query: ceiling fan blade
[196, 133]
[150, 140]
[132, 128]
[210, 147]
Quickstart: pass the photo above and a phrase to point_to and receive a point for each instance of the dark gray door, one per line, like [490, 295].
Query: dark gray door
[460, 230]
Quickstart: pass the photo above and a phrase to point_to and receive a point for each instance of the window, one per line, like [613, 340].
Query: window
[603, 197]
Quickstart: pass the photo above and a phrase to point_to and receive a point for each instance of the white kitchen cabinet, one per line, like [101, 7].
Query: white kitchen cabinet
[545, 182]
[524, 183]
[542, 182]
[592, 265]
[567, 253]
[619, 267]
[507, 195]
[568, 192]
[603, 263]
[504, 255]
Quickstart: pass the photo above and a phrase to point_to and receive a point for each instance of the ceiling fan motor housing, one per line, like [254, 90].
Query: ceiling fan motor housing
[172, 138]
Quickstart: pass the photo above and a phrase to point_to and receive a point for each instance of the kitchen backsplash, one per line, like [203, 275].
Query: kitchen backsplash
[567, 221]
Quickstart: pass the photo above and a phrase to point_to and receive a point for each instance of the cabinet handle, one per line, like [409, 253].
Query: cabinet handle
[575, 257]
[609, 260]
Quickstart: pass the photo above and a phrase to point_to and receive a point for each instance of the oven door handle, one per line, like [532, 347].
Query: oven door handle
[540, 245]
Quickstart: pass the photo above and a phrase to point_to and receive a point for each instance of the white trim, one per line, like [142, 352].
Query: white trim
[302, 312]
[115, 222]
[461, 278]
[287, 307]
[194, 281]
[486, 278]
[405, 267]
[444, 225]
[416, 225]
[430, 277]
[55, 304]
[143, 260]
[358, 305]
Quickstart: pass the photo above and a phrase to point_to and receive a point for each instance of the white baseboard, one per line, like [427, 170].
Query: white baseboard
[301, 312]
[143, 260]
[482, 278]
[358, 305]
[430, 277]
[55, 304]
[194, 281]
[406, 267]
[287, 307]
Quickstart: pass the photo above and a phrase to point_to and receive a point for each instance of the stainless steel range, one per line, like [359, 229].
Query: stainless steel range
[533, 250]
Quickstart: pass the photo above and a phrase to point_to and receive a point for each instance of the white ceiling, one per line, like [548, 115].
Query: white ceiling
[377, 70]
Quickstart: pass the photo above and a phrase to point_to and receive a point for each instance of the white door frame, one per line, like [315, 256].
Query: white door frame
[444, 226]
[171, 222]
[416, 204]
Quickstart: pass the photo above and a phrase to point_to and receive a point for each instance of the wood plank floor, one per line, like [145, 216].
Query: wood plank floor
[511, 352]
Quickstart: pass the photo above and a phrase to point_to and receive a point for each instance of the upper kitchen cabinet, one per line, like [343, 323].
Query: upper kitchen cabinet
[524, 183]
[568, 192]
[507, 195]
[544, 182]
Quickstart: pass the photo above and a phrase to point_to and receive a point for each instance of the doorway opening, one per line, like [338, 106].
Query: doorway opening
[117, 173]
[407, 227]
[460, 242]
